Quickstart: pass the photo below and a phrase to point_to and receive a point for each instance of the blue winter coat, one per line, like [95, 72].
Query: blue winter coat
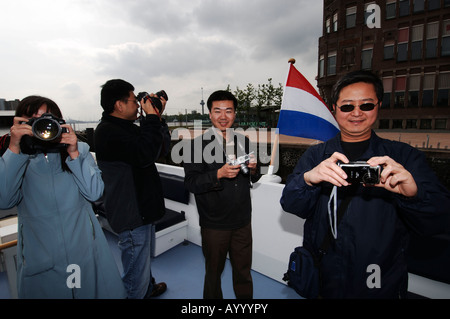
[374, 229]
[58, 230]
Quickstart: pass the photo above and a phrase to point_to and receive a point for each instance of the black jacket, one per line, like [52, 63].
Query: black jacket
[375, 227]
[126, 154]
[222, 204]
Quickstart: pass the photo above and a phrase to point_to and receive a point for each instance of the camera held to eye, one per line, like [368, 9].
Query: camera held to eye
[361, 172]
[156, 102]
[47, 132]
[243, 161]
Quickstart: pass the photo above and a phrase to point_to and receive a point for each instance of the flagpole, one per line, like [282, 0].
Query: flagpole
[270, 177]
[274, 153]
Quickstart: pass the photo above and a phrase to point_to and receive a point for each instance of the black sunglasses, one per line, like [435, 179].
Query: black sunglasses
[363, 107]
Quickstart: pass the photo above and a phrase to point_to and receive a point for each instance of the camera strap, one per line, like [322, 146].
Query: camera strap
[335, 214]
[332, 213]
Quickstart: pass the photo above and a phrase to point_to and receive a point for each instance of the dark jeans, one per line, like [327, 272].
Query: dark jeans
[216, 244]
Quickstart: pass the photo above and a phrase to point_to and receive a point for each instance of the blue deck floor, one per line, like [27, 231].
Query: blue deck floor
[182, 269]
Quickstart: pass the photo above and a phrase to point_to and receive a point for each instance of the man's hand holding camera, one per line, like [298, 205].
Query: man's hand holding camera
[148, 106]
[230, 170]
[328, 171]
[394, 177]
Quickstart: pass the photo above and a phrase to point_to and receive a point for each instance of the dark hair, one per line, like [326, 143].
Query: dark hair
[357, 77]
[221, 95]
[31, 104]
[112, 91]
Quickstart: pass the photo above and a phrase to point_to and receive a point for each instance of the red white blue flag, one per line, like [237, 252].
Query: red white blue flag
[303, 113]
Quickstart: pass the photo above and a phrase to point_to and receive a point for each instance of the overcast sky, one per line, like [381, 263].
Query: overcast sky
[67, 49]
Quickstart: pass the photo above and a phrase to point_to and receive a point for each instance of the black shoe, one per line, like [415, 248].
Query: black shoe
[158, 289]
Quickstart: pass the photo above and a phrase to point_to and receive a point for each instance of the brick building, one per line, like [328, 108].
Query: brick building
[405, 42]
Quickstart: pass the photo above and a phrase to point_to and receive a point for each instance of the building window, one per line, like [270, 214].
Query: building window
[402, 47]
[366, 59]
[397, 124]
[419, 5]
[321, 66]
[400, 86]
[445, 38]
[403, 6]
[434, 4]
[348, 57]
[432, 39]
[331, 63]
[411, 123]
[335, 22]
[413, 91]
[446, 3]
[416, 42]
[425, 124]
[387, 85]
[428, 90]
[383, 124]
[440, 124]
[443, 89]
[351, 17]
[390, 9]
[328, 26]
[388, 52]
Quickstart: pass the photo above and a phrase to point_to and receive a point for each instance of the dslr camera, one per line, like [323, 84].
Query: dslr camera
[361, 172]
[156, 102]
[243, 161]
[47, 132]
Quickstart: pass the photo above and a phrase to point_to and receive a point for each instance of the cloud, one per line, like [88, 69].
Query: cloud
[67, 49]
[179, 57]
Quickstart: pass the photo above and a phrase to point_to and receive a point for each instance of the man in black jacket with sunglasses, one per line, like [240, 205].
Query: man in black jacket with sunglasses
[366, 257]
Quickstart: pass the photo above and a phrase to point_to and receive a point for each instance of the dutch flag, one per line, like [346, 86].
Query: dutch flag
[303, 113]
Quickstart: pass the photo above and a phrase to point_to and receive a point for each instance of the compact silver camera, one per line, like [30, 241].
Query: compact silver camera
[361, 172]
[243, 161]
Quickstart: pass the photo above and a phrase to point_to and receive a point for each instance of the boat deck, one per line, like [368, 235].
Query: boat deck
[182, 269]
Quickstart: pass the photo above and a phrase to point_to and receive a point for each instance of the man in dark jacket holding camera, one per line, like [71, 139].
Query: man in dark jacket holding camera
[366, 259]
[133, 198]
[222, 193]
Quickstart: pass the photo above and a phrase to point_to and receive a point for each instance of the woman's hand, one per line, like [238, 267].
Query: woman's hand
[17, 131]
[71, 140]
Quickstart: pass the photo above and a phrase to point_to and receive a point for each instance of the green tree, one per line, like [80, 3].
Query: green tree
[252, 101]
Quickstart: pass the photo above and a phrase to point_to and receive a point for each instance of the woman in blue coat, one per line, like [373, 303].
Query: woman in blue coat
[62, 251]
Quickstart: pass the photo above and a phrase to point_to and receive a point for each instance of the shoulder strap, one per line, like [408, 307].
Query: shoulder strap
[329, 237]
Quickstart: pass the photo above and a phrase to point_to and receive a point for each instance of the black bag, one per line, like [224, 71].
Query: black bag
[303, 274]
[303, 269]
